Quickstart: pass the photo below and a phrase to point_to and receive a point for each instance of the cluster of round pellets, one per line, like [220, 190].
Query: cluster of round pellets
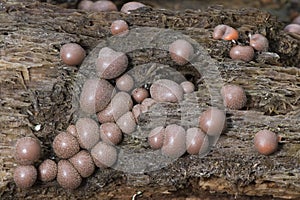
[293, 27]
[118, 103]
[246, 53]
[27, 151]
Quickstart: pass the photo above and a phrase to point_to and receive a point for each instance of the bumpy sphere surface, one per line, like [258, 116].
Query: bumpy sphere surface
[265, 142]
[67, 175]
[110, 64]
[234, 96]
[25, 176]
[95, 95]
[27, 150]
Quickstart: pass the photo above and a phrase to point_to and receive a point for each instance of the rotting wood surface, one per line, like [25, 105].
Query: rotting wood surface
[37, 89]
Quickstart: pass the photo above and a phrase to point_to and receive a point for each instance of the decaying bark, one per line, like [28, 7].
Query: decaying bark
[38, 89]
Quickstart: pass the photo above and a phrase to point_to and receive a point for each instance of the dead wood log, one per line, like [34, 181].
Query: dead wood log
[37, 89]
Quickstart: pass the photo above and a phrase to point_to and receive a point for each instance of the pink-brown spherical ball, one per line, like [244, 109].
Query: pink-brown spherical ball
[212, 121]
[265, 142]
[181, 51]
[67, 176]
[119, 27]
[244, 53]
[234, 96]
[72, 54]
[65, 145]
[27, 150]
[25, 176]
[47, 170]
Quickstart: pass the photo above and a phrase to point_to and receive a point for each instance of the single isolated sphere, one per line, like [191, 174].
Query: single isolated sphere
[104, 155]
[196, 141]
[127, 7]
[292, 28]
[188, 87]
[27, 150]
[83, 163]
[139, 94]
[67, 175]
[234, 97]
[259, 42]
[95, 95]
[65, 145]
[119, 27]
[265, 142]
[111, 64]
[165, 90]
[72, 54]
[156, 137]
[125, 83]
[25, 176]
[212, 121]
[174, 141]
[88, 132]
[110, 133]
[181, 51]
[103, 6]
[244, 53]
[47, 170]
[225, 32]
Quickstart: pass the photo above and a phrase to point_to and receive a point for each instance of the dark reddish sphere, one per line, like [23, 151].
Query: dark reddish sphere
[47, 170]
[72, 54]
[266, 142]
[65, 145]
[181, 51]
[67, 176]
[212, 121]
[83, 163]
[25, 176]
[234, 96]
[27, 150]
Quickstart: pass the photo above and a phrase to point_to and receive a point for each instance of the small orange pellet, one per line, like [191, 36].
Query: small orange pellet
[225, 32]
